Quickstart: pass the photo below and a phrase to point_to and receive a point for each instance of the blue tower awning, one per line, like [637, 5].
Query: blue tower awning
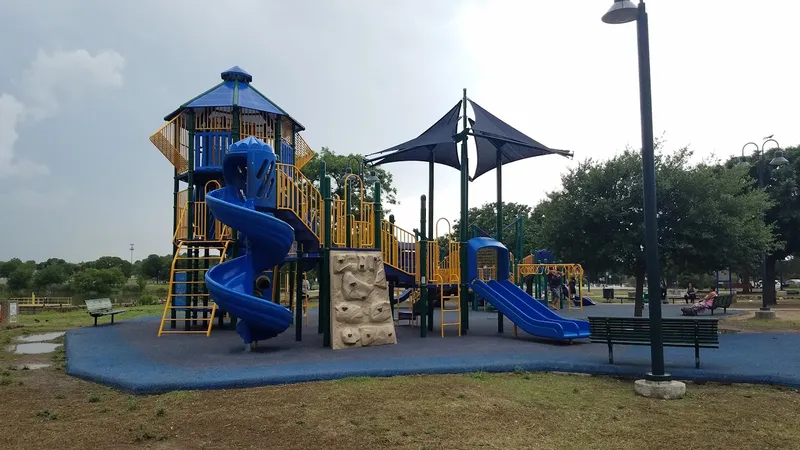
[235, 90]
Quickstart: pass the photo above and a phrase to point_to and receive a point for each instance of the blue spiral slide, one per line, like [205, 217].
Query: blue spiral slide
[525, 311]
[245, 204]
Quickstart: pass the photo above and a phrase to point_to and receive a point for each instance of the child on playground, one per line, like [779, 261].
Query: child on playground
[554, 285]
[306, 294]
[705, 303]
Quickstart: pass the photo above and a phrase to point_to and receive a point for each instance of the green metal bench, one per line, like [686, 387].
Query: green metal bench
[697, 333]
[723, 301]
[99, 307]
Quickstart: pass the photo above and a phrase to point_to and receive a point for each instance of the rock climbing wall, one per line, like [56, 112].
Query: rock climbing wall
[360, 312]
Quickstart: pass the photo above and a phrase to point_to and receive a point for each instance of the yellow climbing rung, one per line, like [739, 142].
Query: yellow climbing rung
[183, 275]
[443, 306]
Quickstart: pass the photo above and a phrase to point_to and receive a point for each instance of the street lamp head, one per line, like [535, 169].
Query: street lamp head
[622, 11]
[779, 159]
[744, 163]
[372, 178]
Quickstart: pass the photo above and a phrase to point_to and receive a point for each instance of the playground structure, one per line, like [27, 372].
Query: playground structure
[246, 210]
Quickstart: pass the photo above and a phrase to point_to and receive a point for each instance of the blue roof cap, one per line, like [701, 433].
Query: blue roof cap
[235, 90]
[249, 143]
[236, 73]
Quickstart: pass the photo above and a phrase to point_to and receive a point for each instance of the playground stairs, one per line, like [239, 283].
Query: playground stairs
[407, 313]
[450, 304]
[188, 302]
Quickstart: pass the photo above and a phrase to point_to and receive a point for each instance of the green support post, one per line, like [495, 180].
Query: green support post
[298, 304]
[324, 276]
[423, 271]
[499, 223]
[376, 198]
[278, 129]
[430, 195]
[276, 283]
[293, 270]
[176, 189]
[235, 136]
[190, 284]
[347, 219]
[464, 223]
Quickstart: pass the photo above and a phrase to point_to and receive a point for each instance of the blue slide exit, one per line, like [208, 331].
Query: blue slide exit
[526, 312]
[249, 177]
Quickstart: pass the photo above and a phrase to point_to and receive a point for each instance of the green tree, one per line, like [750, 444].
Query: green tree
[336, 166]
[783, 187]
[141, 283]
[98, 281]
[8, 267]
[109, 262]
[485, 218]
[156, 267]
[709, 216]
[20, 279]
[50, 275]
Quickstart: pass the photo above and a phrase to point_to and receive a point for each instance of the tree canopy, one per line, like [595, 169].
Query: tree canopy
[484, 218]
[336, 165]
[709, 216]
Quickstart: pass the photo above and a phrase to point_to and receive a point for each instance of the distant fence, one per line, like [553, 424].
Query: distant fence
[41, 301]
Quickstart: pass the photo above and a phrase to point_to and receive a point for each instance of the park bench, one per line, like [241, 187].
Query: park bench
[697, 333]
[723, 301]
[99, 307]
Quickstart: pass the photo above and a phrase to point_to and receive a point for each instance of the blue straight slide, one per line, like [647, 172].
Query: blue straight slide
[528, 313]
[269, 240]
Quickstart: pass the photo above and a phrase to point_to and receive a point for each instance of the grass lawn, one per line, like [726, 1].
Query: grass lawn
[784, 321]
[506, 411]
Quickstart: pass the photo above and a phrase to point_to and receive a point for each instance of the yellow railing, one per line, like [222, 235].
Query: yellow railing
[302, 151]
[219, 118]
[338, 222]
[399, 247]
[172, 140]
[200, 229]
[364, 227]
[33, 300]
[448, 268]
[297, 193]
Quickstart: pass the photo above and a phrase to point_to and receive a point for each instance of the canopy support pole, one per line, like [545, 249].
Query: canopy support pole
[464, 223]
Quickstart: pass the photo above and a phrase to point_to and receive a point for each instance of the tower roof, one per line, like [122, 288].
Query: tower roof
[234, 90]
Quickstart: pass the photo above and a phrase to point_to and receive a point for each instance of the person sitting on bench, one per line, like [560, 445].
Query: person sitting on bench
[690, 294]
[706, 303]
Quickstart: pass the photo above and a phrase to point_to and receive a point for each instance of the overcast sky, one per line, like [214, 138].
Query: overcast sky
[84, 83]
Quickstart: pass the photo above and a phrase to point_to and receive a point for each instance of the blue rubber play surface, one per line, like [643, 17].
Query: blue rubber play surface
[129, 356]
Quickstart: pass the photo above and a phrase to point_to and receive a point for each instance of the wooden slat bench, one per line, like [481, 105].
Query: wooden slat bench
[697, 333]
[99, 307]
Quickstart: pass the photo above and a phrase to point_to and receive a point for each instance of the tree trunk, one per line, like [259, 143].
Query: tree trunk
[747, 288]
[768, 284]
[638, 307]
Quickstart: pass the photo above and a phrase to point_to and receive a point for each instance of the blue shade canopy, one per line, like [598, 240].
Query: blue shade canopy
[235, 90]
[492, 135]
[437, 139]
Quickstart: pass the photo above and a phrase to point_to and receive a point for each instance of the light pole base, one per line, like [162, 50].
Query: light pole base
[765, 314]
[665, 390]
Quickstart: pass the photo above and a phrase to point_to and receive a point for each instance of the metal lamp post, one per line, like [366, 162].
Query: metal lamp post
[777, 161]
[624, 11]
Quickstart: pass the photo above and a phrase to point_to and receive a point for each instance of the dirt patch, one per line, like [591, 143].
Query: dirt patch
[785, 321]
[521, 410]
